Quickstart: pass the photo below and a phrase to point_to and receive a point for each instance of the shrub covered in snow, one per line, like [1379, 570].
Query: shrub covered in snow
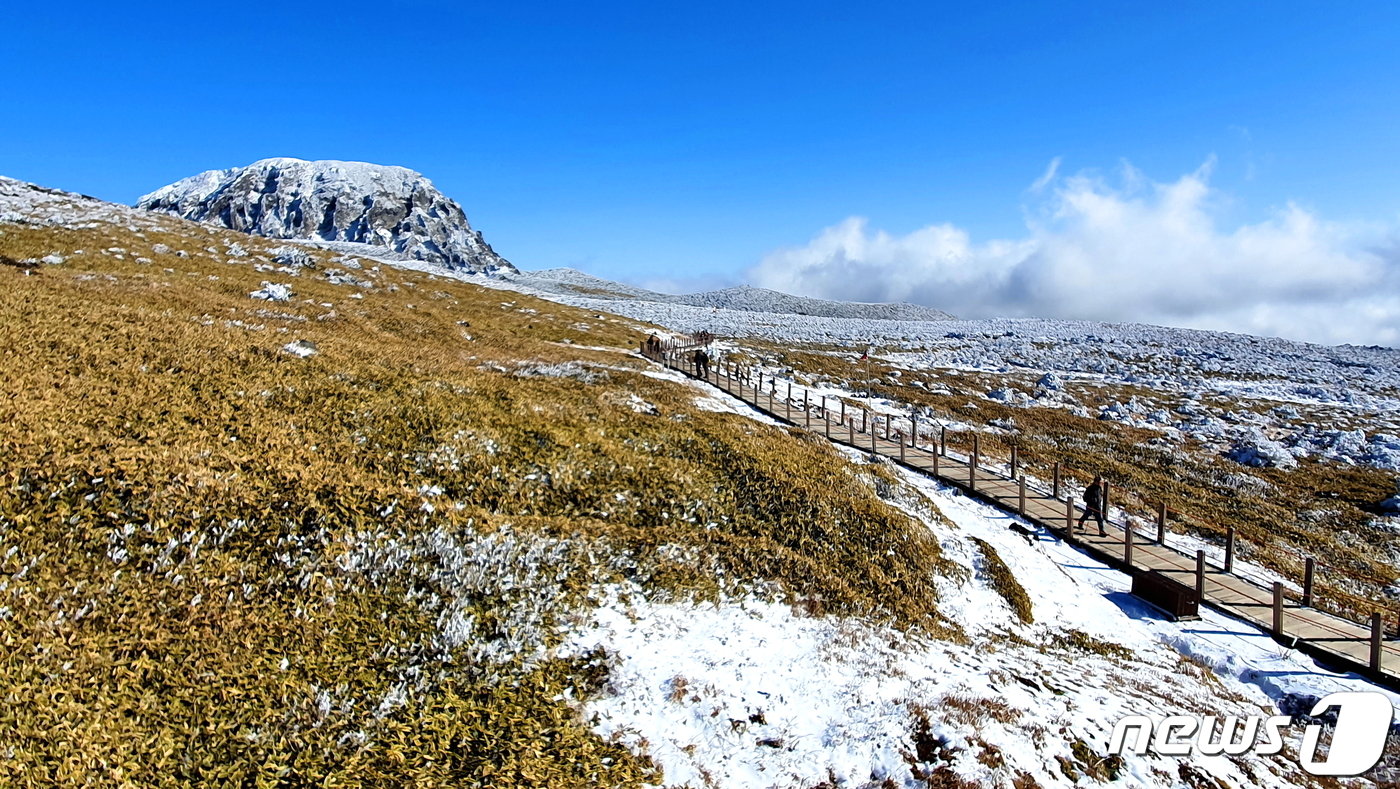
[1382, 451]
[272, 291]
[293, 257]
[1391, 506]
[565, 370]
[302, 348]
[1253, 448]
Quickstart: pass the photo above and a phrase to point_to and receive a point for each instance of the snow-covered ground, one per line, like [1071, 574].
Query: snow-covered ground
[1262, 401]
[748, 693]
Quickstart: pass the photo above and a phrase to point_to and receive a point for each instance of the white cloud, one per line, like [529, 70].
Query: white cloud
[1049, 175]
[1135, 250]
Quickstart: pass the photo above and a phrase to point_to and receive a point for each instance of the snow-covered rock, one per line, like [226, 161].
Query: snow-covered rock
[390, 207]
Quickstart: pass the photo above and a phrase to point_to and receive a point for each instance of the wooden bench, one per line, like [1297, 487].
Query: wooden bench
[1175, 599]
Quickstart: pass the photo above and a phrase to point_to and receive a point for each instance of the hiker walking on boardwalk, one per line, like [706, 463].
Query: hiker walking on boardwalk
[1093, 504]
[702, 363]
[652, 347]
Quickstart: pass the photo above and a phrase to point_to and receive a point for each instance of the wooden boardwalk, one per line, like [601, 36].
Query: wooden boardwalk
[1333, 640]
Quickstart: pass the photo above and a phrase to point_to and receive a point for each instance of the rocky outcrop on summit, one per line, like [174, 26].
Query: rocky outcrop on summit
[390, 207]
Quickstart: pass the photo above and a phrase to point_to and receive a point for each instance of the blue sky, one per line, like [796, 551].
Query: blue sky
[653, 142]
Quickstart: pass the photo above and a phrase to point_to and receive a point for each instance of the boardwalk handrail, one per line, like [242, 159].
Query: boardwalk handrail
[754, 389]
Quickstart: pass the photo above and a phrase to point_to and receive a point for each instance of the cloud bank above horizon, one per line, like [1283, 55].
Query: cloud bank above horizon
[1132, 250]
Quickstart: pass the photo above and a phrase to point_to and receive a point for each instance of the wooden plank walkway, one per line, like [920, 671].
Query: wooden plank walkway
[1342, 643]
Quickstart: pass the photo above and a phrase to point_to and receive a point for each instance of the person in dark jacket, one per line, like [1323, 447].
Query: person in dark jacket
[652, 346]
[702, 363]
[1093, 504]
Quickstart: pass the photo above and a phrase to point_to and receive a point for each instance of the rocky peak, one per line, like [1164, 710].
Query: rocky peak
[390, 207]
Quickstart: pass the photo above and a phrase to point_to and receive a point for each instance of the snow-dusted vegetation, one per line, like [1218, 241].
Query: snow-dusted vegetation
[1296, 445]
[400, 529]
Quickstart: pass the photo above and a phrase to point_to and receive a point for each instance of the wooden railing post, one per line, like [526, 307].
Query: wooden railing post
[942, 447]
[843, 411]
[851, 432]
[914, 432]
[1106, 489]
[806, 408]
[1023, 496]
[972, 465]
[1309, 569]
[1069, 516]
[1162, 523]
[887, 428]
[1230, 549]
[1201, 577]
[787, 402]
[1128, 542]
[1278, 608]
[873, 451]
[826, 417]
[1014, 461]
[1377, 636]
[863, 414]
[935, 462]
[1057, 479]
[901, 450]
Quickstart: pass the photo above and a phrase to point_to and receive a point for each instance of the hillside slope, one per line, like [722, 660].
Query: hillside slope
[571, 282]
[279, 516]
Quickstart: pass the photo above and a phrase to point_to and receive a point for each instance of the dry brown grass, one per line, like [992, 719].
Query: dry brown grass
[977, 711]
[1004, 582]
[181, 500]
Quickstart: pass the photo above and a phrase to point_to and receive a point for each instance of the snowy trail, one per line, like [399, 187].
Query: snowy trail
[1227, 643]
[1232, 647]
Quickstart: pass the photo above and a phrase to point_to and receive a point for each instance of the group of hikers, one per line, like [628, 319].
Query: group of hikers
[1095, 496]
[653, 347]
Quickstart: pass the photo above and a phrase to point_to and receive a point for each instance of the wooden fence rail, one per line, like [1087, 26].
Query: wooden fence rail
[1361, 647]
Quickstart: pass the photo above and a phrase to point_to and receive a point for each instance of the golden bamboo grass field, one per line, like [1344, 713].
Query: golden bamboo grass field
[218, 563]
